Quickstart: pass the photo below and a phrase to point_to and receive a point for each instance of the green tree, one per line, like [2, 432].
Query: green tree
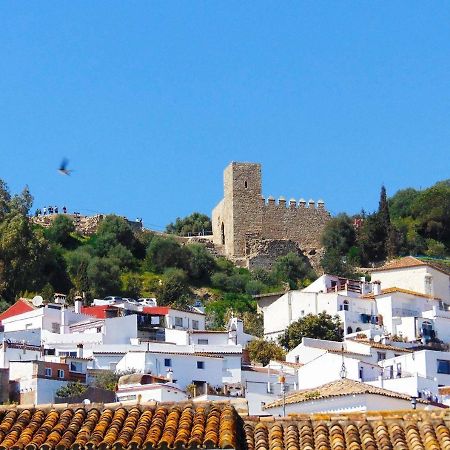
[264, 351]
[115, 230]
[292, 268]
[132, 285]
[103, 275]
[163, 253]
[71, 389]
[334, 263]
[173, 289]
[320, 326]
[400, 205]
[191, 225]
[22, 255]
[339, 234]
[200, 262]
[60, 230]
[431, 209]
[107, 379]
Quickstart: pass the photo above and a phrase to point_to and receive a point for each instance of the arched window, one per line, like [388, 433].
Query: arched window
[223, 233]
[349, 330]
[358, 329]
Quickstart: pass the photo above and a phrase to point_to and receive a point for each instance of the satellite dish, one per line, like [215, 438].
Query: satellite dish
[377, 338]
[37, 301]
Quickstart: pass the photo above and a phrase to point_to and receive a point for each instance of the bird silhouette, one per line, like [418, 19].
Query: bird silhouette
[63, 170]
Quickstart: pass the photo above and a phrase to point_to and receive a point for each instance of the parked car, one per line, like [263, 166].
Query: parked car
[147, 301]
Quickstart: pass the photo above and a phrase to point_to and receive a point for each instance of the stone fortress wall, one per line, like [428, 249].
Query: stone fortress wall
[253, 230]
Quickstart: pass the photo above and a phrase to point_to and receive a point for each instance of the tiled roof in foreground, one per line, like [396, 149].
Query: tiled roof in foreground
[115, 426]
[387, 430]
[214, 425]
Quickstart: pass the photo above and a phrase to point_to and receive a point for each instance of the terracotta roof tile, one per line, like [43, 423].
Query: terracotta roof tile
[368, 431]
[114, 426]
[338, 388]
[411, 261]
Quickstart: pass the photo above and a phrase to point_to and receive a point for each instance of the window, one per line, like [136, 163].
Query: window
[167, 362]
[195, 324]
[99, 329]
[154, 320]
[345, 305]
[202, 342]
[349, 330]
[245, 184]
[60, 373]
[443, 366]
[178, 321]
[112, 366]
[297, 359]
[48, 372]
[381, 356]
[200, 364]
[55, 327]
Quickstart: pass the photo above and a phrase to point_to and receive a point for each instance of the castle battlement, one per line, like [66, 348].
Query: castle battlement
[270, 201]
[244, 215]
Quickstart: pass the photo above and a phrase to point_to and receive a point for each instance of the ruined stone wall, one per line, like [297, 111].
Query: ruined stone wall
[264, 252]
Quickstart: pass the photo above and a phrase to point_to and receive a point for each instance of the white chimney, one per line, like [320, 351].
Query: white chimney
[169, 375]
[78, 305]
[79, 350]
[376, 288]
[63, 326]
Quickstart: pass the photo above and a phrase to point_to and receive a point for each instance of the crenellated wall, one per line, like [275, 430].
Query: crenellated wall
[243, 214]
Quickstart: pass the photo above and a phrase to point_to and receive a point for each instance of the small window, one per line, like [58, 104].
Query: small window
[381, 356]
[55, 327]
[99, 329]
[443, 366]
[297, 359]
[167, 362]
[203, 342]
[245, 184]
[345, 305]
[60, 373]
[178, 321]
[48, 372]
[195, 324]
[200, 364]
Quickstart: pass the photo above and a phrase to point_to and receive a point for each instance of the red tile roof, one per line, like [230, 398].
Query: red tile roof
[156, 310]
[115, 427]
[414, 430]
[98, 311]
[21, 306]
[411, 261]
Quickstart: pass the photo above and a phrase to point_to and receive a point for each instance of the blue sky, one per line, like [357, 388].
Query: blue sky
[151, 100]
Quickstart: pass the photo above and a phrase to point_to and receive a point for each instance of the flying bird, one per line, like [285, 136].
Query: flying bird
[63, 170]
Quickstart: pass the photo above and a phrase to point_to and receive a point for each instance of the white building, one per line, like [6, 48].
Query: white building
[331, 294]
[344, 396]
[146, 387]
[413, 274]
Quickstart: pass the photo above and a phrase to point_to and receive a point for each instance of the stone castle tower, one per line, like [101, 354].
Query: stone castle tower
[254, 232]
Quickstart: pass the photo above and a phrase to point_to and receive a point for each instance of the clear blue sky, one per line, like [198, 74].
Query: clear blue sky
[151, 100]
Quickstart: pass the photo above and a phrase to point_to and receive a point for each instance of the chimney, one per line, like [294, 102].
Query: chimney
[169, 375]
[79, 350]
[376, 286]
[78, 305]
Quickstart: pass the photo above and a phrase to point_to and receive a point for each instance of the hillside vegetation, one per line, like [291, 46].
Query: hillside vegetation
[117, 260]
[409, 223]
